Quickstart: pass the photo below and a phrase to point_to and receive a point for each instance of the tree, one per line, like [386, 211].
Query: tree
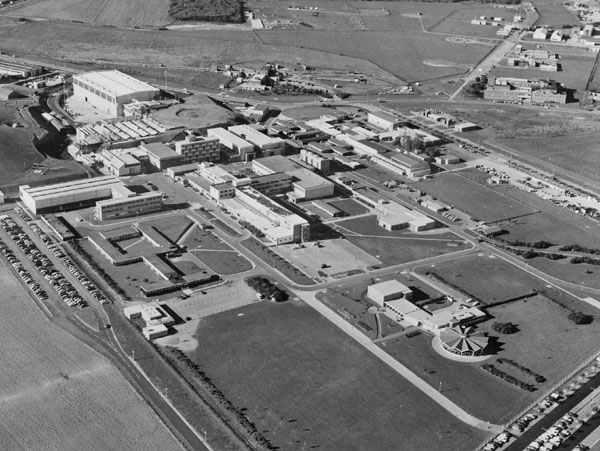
[505, 328]
[581, 318]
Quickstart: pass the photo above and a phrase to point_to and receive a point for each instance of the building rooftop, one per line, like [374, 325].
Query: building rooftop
[83, 185]
[160, 150]
[385, 116]
[389, 287]
[115, 82]
[254, 136]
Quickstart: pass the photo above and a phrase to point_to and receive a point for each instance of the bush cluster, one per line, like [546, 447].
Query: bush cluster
[207, 10]
[586, 259]
[103, 275]
[505, 328]
[578, 248]
[253, 229]
[580, 318]
[526, 371]
[507, 377]
[265, 287]
[238, 415]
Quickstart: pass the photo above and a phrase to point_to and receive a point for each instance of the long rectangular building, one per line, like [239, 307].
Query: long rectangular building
[62, 196]
[233, 148]
[128, 206]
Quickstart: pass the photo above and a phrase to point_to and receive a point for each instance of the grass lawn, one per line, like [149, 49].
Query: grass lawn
[308, 386]
[490, 279]
[473, 198]
[204, 240]
[350, 207]
[547, 343]
[223, 263]
[367, 225]
[173, 227]
[554, 15]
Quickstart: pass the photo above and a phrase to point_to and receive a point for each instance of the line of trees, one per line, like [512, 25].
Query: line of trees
[507, 377]
[526, 371]
[578, 248]
[253, 229]
[76, 247]
[250, 428]
[267, 288]
[586, 259]
[207, 10]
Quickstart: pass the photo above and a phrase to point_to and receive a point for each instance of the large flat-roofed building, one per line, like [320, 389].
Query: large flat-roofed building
[110, 90]
[383, 120]
[404, 164]
[128, 206]
[112, 198]
[233, 148]
[387, 291]
[161, 156]
[195, 149]
[62, 196]
[279, 225]
[306, 184]
[393, 216]
[315, 160]
[15, 69]
[265, 144]
[120, 164]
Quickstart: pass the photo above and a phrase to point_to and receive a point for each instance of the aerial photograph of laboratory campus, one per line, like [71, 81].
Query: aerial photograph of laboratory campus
[341, 225]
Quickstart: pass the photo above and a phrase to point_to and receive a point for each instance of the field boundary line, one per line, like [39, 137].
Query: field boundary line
[168, 401]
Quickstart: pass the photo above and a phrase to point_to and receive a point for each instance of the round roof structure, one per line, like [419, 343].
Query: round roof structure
[463, 340]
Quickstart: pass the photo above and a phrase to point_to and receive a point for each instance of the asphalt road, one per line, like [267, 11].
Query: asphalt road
[553, 416]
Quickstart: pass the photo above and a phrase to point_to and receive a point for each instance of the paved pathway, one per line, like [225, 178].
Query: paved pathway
[427, 389]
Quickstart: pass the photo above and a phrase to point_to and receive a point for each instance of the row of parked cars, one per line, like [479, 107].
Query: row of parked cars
[23, 273]
[85, 281]
[554, 436]
[499, 441]
[44, 265]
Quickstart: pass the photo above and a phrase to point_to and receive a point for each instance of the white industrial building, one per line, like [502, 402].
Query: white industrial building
[110, 90]
[195, 149]
[396, 299]
[279, 225]
[265, 144]
[112, 198]
[133, 205]
[393, 216]
[383, 120]
[233, 148]
[120, 164]
[306, 184]
[387, 291]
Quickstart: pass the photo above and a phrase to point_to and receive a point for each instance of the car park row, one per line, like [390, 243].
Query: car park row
[85, 281]
[23, 273]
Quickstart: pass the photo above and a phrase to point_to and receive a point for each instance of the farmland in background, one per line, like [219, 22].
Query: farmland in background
[116, 13]
[58, 394]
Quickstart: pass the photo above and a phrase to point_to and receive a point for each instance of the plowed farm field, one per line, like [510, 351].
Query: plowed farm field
[117, 13]
[57, 394]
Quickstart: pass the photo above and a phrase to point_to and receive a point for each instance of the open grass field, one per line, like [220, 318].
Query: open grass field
[58, 394]
[488, 278]
[473, 198]
[116, 13]
[410, 56]
[198, 239]
[574, 151]
[554, 14]
[367, 225]
[547, 343]
[80, 43]
[308, 386]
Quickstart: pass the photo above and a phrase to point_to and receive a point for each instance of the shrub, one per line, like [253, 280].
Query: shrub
[580, 318]
[505, 328]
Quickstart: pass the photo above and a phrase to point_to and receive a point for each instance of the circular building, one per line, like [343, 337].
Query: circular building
[463, 341]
